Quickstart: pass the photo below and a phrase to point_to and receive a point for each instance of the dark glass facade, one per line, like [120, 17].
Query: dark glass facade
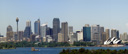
[56, 28]
[86, 33]
[37, 27]
[49, 31]
[117, 34]
[27, 32]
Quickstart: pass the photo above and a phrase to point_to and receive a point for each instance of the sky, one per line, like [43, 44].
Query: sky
[108, 13]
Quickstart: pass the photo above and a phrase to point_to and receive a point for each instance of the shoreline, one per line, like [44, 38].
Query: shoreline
[8, 48]
[73, 46]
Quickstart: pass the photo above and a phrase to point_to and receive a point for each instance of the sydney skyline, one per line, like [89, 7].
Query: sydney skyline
[107, 13]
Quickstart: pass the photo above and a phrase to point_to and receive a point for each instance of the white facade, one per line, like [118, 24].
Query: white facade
[48, 38]
[73, 37]
[28, 23]
[112, 41]
[80, 36]
[43, 30]
[44, 39]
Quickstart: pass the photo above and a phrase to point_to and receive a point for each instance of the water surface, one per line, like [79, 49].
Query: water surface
[51, 50]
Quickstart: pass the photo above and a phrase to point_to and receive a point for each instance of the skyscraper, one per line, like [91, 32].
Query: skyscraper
[37, 27]
[124, 36]
[60, 37]
[70, 29]
[32, 37]
[9, 33]
[113, 33]
[43, 30]
[107, 33]
[70, 32]
[28, 23]
[28, 31]
[87, 33]
[80, 36]
[9, 28]
[103, 37]
[101, 31]
[64, 31]
[73, 38]
[117, 32]
[95, 33]
[56, 28]
[49, 31]
[21, 34]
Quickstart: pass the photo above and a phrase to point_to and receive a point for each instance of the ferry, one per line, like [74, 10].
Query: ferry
[33, 49]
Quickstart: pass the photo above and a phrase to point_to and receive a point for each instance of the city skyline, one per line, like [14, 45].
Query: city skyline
[111, 14]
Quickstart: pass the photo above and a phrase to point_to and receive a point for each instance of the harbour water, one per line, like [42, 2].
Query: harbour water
[51, 50]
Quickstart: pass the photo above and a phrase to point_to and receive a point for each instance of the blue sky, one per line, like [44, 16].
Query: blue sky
[107, 13]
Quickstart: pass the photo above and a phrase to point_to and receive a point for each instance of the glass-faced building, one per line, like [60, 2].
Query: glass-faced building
[56, 28]
[28, 31]
[86, 33]
[37, 27]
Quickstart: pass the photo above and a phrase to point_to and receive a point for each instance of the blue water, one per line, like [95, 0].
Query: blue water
[51, 50]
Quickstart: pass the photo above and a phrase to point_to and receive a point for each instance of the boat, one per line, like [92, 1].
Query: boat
[33, 49]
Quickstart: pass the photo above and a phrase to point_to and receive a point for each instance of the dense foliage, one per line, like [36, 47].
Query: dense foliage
[52, 44]
[83, 44]
[7, 46]
[98, 51]
[43, 44]
[34, 44]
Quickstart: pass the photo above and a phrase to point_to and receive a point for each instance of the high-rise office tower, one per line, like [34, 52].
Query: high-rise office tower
[95, 33]
[101, 31]
[122, 37]
[37, 27]
[80, 36]
[43, 30]
[28, 23]
[73, 38]
[70, 29]
[117, 32]
[125, 36]
[49, 31]
[114, 33]
[15, 37]
[56, 28]
[33, 37]
[9, 33]
[28, 31]
[9, 28]
[87, 33]
[60, 37]
[103, 37]
[70, 32]
[21, 34]
[64, 31]
[107, 33]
